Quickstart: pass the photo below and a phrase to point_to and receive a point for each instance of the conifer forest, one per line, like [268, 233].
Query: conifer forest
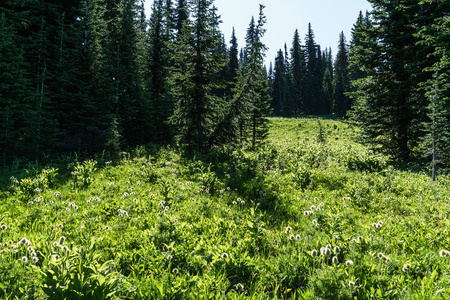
[146, 157]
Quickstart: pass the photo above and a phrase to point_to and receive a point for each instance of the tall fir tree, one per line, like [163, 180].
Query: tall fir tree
[233, 62]
[313, 84]
[159, 61]
[198, 111]
[436, 142]
[278, 88]
[298, 67]
[388, 105]
[341, 102]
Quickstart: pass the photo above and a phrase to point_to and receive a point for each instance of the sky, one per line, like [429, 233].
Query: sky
[327, 17]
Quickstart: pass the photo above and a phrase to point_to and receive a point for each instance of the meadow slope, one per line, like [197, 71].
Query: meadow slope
[310, 215]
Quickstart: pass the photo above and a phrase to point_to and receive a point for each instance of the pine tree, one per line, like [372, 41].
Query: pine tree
[341, 102]
[198, 111]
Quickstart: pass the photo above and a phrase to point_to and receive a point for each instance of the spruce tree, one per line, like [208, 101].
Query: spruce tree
[233, 61]
[388, 105]
[298, 67]
[436, 142]
[197, 65]
[159, 61]
[313, 84]
[278, 88]
[341, 102]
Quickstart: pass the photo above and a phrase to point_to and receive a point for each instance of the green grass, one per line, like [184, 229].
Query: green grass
[157, 225]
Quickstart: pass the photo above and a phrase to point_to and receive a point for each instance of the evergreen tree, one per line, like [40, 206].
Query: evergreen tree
[313, 84]
[327, 83]
[249, 40]
[388, 105]
[357, 44]
[289, 104]
[182, 16]
[233, 61]
[197, 64]
[298, 67]
[14, 97]
[278, 88]
[437, 139]
[341, 102]
[160, 105]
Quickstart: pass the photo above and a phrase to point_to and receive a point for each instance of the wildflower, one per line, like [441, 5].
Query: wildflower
[3, 251]
[24, 259]
[406, 267]
[60, 225]
[239, 287]
[135, 200]
[386, 259]
[61, 240]
[4, 227]
[166, 209]
[351, 283]
[24, 242]
[315, 222]
[55, 244]
[337, 250]
[298, 237]
[169, 257]
[224, 256]
[335, 260]
[288, 229]
[74, 214]
[314, 253]
[65, 249]
[349, 263]
[380, 255]
[234, 202]
[175, 271]
[34, 259]
[380, 223]
[325, 251]
[444, 253]
[313, 207]
[107, 228]
[292, 237]
[162, 203]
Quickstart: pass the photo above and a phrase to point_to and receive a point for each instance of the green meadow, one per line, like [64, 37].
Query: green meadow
[311, 214]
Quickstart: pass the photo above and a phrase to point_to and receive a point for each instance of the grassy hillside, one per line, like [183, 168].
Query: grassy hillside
[311, 215]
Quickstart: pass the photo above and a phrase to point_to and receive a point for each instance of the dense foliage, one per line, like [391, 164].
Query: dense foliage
[89, 76]
[312, 215]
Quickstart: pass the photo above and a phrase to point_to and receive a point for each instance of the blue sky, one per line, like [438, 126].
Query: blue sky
[327, 17]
